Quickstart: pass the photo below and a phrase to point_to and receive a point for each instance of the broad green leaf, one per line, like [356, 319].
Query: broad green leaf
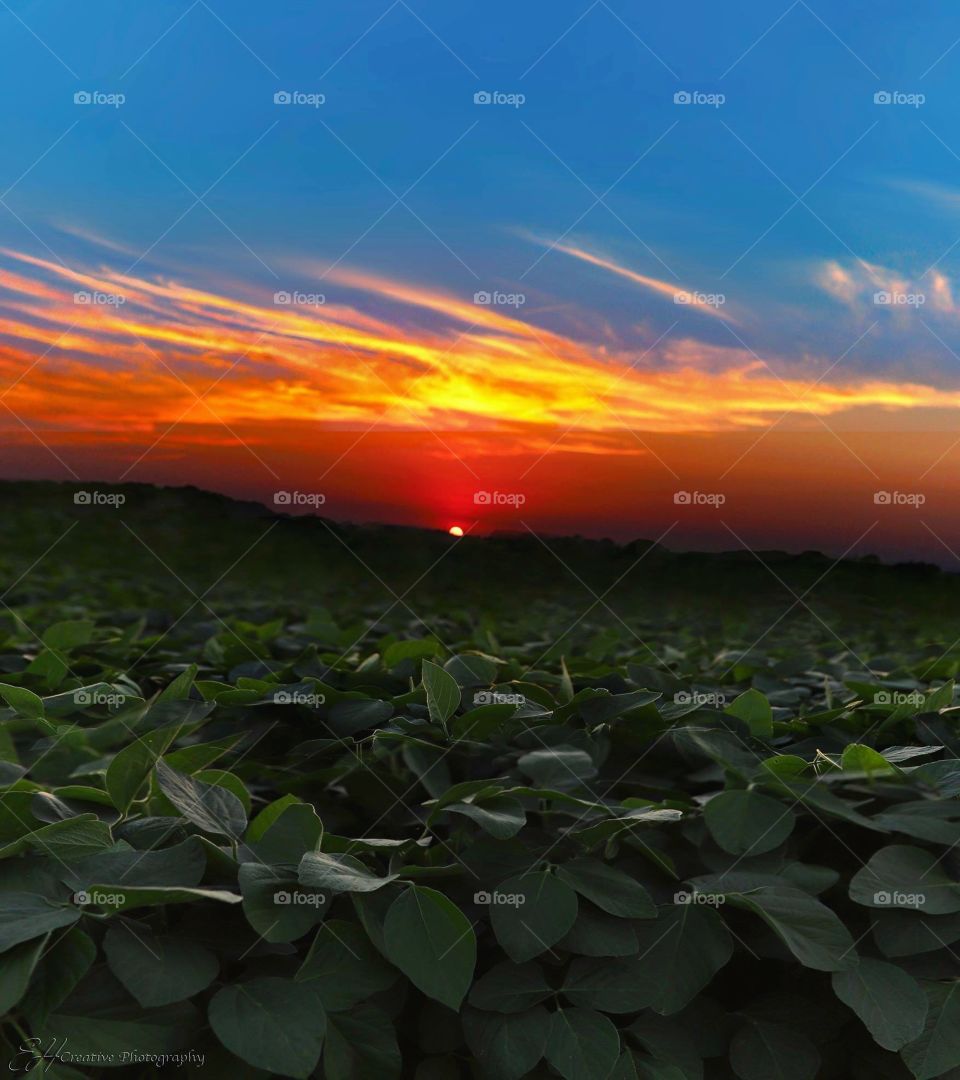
[499, 816]
[610, 889]
[27, 915]
[809, 929]
[902, 876]
[158, 969]
[937, 1051]
[113, 899]
[748, 823]
[276, 905]
[754, 710]
[507, 1045]
[361, 1045]
[16, 967]
[443, 693]
[530, 913]
[343, 968]
[891, 1003]
[271, 1023]
[510, 988]
[25, 703]
[339, 873]
[130, 769]
[761, 1050]
[432, 942]
[582, 1044]
[211, 808]
[60, 969]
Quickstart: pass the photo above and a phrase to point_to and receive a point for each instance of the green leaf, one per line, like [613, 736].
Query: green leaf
[343, 968]
[131, 767]
[748, 823]
[25, 703]
[276, 905]
[764, 1051]
[531, 912]
[610, 889]
[296, 831]
[859, 758]
[809, 929]
[901, 876]
[937, 1051]
[119, 898]
[26, 915]
[510, 988]
[158, 969]
[443, 693]
[597, 934]
[15, 971]
[339, 873]
[582, 1044]
[432, 942]
[499, 816]
[211, 808]
[509, 1045]
[558, 766]
[754, 710]
[59, 971]
[361, 1045]
[271, 1023]
[891, 1003]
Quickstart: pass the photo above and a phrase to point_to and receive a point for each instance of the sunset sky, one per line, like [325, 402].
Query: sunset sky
[705, 249]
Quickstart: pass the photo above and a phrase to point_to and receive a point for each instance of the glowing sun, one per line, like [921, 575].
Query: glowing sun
[455, 530]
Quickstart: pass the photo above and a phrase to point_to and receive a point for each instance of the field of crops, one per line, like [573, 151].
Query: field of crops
[286, 799]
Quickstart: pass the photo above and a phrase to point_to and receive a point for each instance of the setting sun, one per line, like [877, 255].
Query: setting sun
[455, 530]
